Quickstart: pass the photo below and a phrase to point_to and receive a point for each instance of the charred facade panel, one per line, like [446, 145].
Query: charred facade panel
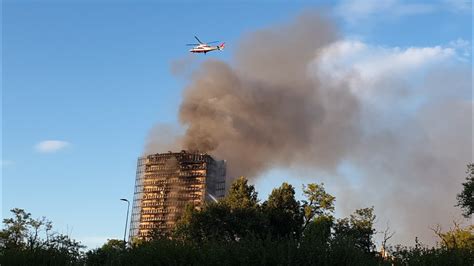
[166, 183]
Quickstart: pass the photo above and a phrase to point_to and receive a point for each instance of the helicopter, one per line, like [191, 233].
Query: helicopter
[202, 47]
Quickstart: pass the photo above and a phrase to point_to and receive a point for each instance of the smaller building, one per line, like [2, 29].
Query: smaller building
[167, 182]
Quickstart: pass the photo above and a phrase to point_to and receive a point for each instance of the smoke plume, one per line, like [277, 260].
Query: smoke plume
[297, 95]
[266, 110]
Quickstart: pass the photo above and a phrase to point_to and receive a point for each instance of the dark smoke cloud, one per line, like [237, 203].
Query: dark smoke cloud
[268, 109]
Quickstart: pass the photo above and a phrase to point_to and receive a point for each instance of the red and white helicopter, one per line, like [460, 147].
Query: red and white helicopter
[204, 47]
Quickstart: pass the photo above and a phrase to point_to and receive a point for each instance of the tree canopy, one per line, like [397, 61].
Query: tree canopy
[466, 197]
[28, 241]
[240, 230]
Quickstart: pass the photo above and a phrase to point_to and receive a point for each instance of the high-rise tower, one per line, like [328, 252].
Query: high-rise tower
[166, 182]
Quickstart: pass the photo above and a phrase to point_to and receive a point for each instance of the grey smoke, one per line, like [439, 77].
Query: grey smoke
[182, 66]
[265, 109]
[163, 138]
[413, 172]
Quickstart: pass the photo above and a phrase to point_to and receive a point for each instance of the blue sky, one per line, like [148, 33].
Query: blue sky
[94, 77]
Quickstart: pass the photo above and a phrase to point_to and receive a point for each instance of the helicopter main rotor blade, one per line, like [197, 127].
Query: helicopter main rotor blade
[198, 40]
[192, 44]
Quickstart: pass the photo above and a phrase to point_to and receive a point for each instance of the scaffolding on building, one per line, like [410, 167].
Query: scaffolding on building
[166, 182]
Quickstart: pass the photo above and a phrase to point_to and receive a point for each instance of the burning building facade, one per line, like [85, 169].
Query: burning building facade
[167, 182]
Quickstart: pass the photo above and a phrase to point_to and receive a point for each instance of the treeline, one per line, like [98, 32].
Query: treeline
[240, 230]
[28, 241]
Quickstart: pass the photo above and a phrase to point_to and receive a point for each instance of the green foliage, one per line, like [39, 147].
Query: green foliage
[456, 237]
[17, 228]
[318, 202]
[109, 254]
[459, 238]
[237, 216]
[283, 212]
[362, 225]
[357, 230]
[241, 195]
[218, 221]
[248, 251]
[240, 231]
[466, 197]
[316, 241]
[28, 241]
[421, 255]
[302, 234]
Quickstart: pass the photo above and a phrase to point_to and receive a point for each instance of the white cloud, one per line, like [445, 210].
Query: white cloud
[354, 11]
[382, 77]
[464, 48]
[50, 146]
[410, 99]
[364, 65]
[459, 5]
[361, 9]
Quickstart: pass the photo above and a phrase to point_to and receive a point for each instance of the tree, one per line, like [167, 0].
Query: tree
[28, 241]
[315, 243]
[283, 212]
[358, 229]
[110, 253]
[209, 223]
[16, 229]
[237, 216]
[466, 197]
[318, 202]
[456, 237]
[387, 235]
[362, 222]
[23, 231]
[241, 195]
[65, 245]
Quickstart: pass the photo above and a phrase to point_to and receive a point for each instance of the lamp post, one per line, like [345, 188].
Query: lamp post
[126, 222]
